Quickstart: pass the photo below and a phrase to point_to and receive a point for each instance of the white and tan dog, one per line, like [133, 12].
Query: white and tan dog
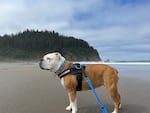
[99, 74]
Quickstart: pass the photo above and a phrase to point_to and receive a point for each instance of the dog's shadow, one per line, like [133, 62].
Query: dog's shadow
[131, 108]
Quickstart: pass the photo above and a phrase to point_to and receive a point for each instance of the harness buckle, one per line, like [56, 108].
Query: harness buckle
[78, 66]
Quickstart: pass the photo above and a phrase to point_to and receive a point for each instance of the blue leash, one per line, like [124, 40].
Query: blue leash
[94, 92]
[96, 96]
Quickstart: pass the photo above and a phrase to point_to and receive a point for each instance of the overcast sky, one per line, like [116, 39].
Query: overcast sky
[118, 29]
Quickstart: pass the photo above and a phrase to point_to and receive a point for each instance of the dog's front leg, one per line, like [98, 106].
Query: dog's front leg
[73, 102]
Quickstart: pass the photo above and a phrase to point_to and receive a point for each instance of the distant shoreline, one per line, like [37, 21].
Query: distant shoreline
[117, 63]
[81, 62]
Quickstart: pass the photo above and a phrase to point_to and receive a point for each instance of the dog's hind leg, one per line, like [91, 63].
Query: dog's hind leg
[115, 96]
[112, 89]
[73, 102]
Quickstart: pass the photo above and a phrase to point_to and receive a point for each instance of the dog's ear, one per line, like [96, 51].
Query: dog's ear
[58, 54]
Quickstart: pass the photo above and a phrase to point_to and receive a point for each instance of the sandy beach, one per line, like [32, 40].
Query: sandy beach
[25, 88]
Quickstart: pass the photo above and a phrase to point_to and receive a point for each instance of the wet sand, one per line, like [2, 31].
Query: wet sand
[25, 88]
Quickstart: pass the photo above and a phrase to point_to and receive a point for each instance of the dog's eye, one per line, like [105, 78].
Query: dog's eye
[48, 58]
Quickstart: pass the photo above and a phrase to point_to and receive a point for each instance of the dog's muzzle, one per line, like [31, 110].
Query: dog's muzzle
[41, 65]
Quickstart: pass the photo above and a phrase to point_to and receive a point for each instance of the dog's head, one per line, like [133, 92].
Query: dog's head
[51, 61]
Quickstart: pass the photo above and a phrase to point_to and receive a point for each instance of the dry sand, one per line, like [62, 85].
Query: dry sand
[25, 88]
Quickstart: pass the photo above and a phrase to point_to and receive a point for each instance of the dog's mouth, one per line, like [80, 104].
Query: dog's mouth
[41, 66]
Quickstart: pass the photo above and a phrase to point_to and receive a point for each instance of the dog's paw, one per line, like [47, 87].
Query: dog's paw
[68, 108]
[114, 112]
[120, 106]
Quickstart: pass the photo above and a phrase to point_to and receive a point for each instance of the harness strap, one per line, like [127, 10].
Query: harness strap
[64, 73]
[80, 76]
[76, 70]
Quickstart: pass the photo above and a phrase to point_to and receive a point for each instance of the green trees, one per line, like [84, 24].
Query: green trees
[31, 44]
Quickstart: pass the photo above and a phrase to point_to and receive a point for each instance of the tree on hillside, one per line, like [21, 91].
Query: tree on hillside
[31, 43]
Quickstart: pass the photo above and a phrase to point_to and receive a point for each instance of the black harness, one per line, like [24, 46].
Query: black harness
[77, 70]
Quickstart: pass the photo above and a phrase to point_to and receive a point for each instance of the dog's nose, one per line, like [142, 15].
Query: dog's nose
[40, 63]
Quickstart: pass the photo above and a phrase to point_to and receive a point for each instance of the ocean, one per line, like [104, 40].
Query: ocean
[130, 69]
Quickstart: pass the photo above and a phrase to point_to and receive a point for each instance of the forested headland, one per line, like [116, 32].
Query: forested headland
[33, 44]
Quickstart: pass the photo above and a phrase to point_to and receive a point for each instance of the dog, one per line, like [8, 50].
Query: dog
[99, 74]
